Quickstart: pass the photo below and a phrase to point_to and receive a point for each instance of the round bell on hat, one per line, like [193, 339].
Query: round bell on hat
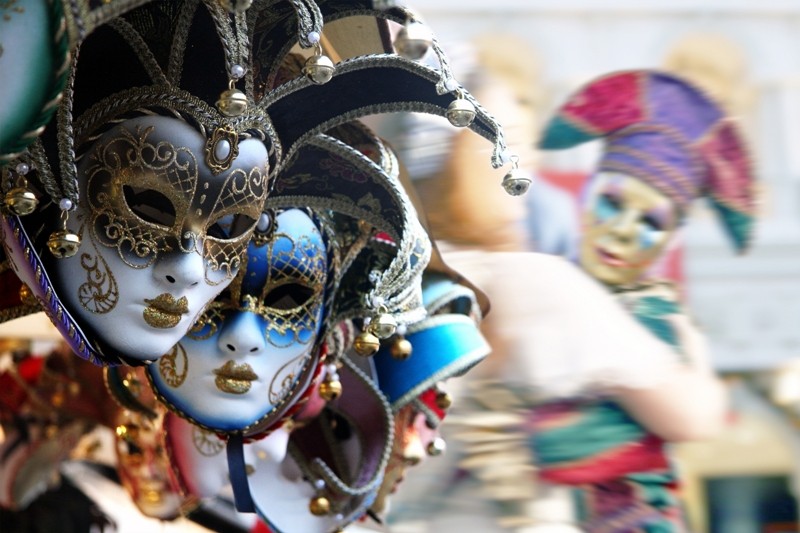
[319, 69]
[366, 344]
[461, 112]
[413, 40]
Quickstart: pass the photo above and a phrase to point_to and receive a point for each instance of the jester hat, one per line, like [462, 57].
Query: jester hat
[176, 59]
[663, 130]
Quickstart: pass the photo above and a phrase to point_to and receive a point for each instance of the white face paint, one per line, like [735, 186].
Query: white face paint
[247, 353]
[161, 234]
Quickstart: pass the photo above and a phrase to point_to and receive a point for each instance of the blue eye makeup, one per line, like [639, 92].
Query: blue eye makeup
[606, 207]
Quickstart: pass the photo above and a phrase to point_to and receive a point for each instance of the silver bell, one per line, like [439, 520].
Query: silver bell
[413, 40]
[319, 69]
[63, 243]
[460, 112]
[516, 182]
[436, 447]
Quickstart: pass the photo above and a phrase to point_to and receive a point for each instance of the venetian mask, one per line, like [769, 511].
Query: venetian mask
[248, 352]
[627, 225]
[161, 233]
[414, 440]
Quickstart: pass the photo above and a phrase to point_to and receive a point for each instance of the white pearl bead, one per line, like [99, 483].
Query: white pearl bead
[222, 150]
[331, 368]
[319, 484]
[23, 168]
[506, 156]
[65, 204]
[313, 37]
[264, 222]
[450, 84]
[237, 71]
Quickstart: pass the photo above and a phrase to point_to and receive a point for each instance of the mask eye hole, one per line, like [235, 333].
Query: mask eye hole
[150, 205]
[288, 296]
[231, 226]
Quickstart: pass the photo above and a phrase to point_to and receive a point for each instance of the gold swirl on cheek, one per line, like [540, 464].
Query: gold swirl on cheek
[206, 443]
[139, 194]
[173, 371]
[100, 293]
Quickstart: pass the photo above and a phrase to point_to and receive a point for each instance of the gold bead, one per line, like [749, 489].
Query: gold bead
[63, 243]
[319, 69]
[232, 103]
[366, 344]
[26, 295]
[21, 201]
[443, 400]
[401, 349]
[383, 326]
[319, 506]
[330, 390]
[460, 112]
[57, 399]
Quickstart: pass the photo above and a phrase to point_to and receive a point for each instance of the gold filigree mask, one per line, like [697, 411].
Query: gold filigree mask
[627, 226]
[151, 192]
[283, 283]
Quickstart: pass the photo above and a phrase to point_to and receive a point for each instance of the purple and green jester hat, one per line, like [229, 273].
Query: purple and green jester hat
[663, 130]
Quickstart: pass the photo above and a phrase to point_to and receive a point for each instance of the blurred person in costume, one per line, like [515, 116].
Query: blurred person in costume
[666, 144]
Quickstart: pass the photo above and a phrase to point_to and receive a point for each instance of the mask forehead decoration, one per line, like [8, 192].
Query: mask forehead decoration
[216, 71]
[661, 129]
[150, 193]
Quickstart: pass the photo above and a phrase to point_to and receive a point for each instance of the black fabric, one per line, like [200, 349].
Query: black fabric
[65, 509]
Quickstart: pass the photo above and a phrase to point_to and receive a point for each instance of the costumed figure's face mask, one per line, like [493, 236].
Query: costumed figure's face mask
[161, 233]
[628, 225]
[246, 353]
[414, 440]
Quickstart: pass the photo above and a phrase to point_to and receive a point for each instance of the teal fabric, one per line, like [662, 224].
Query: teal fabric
[563, 134]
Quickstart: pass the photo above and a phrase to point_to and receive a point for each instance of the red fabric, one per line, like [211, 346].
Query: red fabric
[429, 398]
[729, 171]
[608, 104]
[642, 456]
[9, 289]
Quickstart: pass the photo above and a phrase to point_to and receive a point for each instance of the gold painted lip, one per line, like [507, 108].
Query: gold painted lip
[233, 378]
[231, 370]
[164, 311]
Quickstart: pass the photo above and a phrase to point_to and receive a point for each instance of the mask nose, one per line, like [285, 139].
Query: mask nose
[178, 270]
[242, 334]
[624, 226]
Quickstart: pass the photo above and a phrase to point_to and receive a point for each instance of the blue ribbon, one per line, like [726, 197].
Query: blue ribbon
[237, 469]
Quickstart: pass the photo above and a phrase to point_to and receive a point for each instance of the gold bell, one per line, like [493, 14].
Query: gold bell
[460, 112]
[413, 40]
[319, 69]
[383, 326]
[21, 201]
[516, 182]
[331, 389]
[63, 243]
[366, 344]
[443, 400]
[401, 349]
[232, 102]
[319, 506]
